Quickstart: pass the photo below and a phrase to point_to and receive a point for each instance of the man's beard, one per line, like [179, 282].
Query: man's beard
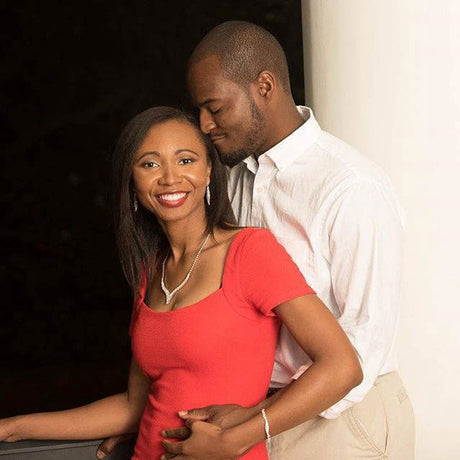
[251, 142]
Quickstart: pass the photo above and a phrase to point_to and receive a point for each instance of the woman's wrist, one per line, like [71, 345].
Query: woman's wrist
[241, 438]
[233, 444]
[250, 430]
[255, 410]
[266, 403]
[11, 428]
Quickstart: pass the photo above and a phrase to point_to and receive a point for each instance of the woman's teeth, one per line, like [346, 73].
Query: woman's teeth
[172, 196]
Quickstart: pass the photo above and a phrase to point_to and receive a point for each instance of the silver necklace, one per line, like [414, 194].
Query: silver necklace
[169, 295]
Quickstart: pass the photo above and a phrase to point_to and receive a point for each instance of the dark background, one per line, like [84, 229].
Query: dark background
[73, 73]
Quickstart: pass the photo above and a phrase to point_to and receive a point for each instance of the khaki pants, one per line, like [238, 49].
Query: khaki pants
[379, 427]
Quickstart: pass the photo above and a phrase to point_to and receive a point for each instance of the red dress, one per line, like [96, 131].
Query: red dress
[219, 350]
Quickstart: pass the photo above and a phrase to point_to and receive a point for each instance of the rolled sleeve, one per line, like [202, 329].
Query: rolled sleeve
[365, 242]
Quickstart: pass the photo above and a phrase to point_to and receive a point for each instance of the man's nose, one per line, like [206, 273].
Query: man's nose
[206, 122]
[169, 175]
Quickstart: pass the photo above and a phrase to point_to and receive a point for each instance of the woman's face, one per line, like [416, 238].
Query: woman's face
[171, 172]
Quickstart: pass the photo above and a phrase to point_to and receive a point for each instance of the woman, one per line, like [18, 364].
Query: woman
[208, 300]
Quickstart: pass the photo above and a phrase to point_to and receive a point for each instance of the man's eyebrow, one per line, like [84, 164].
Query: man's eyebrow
[207, 101]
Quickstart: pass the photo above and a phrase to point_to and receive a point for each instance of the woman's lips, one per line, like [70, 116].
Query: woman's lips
[172, 200]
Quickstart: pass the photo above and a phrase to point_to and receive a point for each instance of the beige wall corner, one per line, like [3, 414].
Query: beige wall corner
[385, 77]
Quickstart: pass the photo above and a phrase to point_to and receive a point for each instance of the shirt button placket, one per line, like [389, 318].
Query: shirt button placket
[258, 196]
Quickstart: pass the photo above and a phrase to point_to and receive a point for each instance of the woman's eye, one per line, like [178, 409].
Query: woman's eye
[214, 112]
[149, 164]
[185, 161]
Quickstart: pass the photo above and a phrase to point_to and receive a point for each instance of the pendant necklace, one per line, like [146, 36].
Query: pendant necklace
[169, 295]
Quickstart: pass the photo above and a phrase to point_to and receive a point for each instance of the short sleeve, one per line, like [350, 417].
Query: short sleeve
[267, 274]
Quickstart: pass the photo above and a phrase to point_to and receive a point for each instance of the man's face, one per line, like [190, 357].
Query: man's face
[228, 113]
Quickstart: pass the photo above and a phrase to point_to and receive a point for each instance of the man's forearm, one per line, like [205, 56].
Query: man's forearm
[299, 401]
[106, 417]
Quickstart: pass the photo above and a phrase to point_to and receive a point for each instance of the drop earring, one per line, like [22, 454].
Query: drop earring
[208, 195]
[135, 203]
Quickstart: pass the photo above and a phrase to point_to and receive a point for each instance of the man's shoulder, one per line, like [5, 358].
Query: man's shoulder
[329, 163]
[333, 160]
[349, 174]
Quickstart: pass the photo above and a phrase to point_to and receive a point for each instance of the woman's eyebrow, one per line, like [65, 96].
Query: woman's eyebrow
[158, 154]
[154, 152]
[186, 150]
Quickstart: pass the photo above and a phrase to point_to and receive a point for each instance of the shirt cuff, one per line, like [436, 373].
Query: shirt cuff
[335, 410]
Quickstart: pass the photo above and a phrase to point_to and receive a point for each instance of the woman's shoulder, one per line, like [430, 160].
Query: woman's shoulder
[244, 234]
[258, 233]
[252, 242]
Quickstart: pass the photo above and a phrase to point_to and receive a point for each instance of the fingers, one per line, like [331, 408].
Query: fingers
[170, 455]
[109, 444]
[179, 433]
[202, 413]
[102, 451]
[189, 422]
[173, 447]
[106, 447]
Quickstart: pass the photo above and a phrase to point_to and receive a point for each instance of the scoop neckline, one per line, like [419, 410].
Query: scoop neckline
[209, 296]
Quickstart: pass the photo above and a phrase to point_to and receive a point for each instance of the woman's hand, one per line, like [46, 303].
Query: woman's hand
[109, 444]
[9, 430]
[206, 442]
[223, 416]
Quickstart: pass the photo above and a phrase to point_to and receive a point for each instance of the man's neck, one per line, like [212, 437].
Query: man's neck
[284, 123]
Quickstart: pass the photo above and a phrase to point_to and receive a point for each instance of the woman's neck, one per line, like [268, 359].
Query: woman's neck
[184, 239]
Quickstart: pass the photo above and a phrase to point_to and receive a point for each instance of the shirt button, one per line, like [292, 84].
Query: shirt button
[260, 189]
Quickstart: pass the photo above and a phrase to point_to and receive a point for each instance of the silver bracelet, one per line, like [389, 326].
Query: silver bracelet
[266, 425]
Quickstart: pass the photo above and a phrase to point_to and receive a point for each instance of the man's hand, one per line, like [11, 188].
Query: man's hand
[109, 444]
[206, 442]
[223, 416]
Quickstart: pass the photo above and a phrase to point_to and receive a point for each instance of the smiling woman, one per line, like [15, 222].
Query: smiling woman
[210, 340]
[162, 152]
[168, 181]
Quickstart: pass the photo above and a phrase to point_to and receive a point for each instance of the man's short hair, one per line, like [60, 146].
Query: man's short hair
[244, 50]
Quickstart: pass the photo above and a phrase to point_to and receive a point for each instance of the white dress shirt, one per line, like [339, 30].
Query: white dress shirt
[336, 214]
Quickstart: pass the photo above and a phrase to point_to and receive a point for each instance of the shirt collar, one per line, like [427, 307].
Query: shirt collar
[288, 149]
[251, 164]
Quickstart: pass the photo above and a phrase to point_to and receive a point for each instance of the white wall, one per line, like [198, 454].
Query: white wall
[384, 75]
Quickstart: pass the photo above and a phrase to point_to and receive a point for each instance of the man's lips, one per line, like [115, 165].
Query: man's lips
[217, 138]
[172, 200]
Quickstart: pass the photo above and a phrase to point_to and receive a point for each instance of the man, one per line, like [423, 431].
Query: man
[335, 213]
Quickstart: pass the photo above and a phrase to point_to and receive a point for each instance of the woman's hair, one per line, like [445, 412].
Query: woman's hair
[141, 241]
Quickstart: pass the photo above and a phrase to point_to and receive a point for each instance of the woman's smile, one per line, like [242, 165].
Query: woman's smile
[172, 200]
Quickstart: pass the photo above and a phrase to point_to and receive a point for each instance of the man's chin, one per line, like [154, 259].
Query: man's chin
[232, 158]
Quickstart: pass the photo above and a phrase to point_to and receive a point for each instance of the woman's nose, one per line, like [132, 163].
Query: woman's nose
[206, 122]
[169, 175]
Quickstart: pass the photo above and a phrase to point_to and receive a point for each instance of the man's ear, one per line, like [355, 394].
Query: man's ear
[266, 84]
